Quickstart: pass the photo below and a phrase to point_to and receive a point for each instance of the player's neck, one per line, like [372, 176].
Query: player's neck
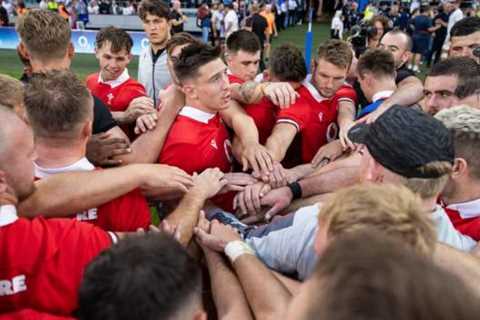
[56, 153]
[44, 66]
[383, 86]
[463, 193]
[197, 105]
[430, 204]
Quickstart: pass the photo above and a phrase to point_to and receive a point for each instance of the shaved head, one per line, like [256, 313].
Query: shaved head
[16, 152]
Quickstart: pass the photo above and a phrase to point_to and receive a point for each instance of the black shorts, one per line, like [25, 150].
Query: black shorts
[421, 44]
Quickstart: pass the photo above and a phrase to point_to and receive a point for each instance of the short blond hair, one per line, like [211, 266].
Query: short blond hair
[393, 210]
[45, 34]
[430, 187]
[11, 92]
[464, 122]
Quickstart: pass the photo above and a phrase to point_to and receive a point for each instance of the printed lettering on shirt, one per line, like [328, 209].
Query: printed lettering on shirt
[14, 286]
[332, 132]
[90, 214]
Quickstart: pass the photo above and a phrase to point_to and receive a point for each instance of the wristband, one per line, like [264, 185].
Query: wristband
[237, 248]
[296, 190]
[8, 214]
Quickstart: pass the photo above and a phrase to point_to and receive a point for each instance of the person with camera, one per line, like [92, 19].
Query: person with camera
[377, 28]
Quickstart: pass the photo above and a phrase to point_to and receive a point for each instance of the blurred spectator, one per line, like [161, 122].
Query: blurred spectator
[105, 7]
[292, 12]
[204, 19]
[336, 29]
[177, 18]
[231, 20]
[218, 25]
[380, 23]
[421, 25]
[440, 22]
[43, 5]
[93, 7]
[52, 5]
[3, 15]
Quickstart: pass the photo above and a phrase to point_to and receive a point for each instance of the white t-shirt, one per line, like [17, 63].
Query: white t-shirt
[231, 19]
[447, 234]
[219, 23]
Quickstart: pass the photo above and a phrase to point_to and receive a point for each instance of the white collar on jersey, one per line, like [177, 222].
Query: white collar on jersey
[8, 215]
[81, 165]
[469, 209]
[385, 94]
[115, 83]
[311, 88]
[197, 114]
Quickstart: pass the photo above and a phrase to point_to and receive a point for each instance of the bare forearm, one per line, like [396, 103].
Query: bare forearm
[185, 216]
[248, 92]
[245, 129]
[329, 181]
[227, 292]
[267, 296]
[346, 114]
[406, 94]
[463, 265]
[67, 193]
[121, 117]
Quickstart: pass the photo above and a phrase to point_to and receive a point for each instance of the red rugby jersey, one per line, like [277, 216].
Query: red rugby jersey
[117, 94]
[198, 140]
[29, 314]
[315, 117]
[43, 260]
[465, 217]
[126, 213]
[264, 113]
[233, 78]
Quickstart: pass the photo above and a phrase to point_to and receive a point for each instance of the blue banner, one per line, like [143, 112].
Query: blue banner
[83, 40]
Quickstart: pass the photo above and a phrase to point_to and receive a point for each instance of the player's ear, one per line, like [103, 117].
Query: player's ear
[87, 129]
[189, 90]
[22, 51]
[70, 51]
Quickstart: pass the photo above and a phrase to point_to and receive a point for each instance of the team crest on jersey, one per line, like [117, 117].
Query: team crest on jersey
[110, 98]
[89, 215]
[320, 116]
[213, 143]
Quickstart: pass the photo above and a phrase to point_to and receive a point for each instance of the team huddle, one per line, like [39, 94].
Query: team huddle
[348, 190]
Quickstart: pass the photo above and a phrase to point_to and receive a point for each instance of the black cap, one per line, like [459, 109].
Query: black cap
[404, 139]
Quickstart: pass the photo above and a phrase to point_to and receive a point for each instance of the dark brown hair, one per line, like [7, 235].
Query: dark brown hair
[243, 40]
[192, 58]
[337, 52]
[379, 62]
[57, 102]
[155, 8]
[287, 63]
[180, 39]
[119, 39]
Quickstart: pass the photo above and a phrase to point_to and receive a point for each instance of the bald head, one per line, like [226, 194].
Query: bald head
[16, 152]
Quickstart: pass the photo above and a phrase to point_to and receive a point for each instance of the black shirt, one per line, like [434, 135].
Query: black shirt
[402, 73]
[3, 17]
[175, 15]
[102, 117]
[259, 25]
[441, 33]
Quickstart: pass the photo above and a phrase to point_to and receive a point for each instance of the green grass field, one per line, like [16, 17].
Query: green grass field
[84, 64]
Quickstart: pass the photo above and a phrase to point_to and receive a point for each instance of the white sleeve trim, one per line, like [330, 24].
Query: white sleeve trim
[113, 236]
[290, 122]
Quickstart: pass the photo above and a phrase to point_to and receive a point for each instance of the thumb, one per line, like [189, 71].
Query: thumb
[273, 211]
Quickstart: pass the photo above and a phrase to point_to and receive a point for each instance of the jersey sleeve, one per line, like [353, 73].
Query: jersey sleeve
[297, 114]
[346, 93]
[102, 117]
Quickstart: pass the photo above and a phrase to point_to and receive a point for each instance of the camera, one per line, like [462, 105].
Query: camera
[360, 35]
[476, 52]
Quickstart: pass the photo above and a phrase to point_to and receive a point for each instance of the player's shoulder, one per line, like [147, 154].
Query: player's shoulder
[92, 79]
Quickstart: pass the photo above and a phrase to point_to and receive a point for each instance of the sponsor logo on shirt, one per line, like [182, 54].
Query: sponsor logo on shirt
[16, 285]
[90, 214]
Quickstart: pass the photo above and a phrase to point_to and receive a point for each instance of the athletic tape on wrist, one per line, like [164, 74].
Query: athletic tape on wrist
[237, 248]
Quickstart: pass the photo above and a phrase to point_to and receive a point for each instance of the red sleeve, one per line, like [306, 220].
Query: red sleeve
[345, 93]
[135, 90]
[125, 214]
[91, 81]
[297, 114]
[29, 314]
